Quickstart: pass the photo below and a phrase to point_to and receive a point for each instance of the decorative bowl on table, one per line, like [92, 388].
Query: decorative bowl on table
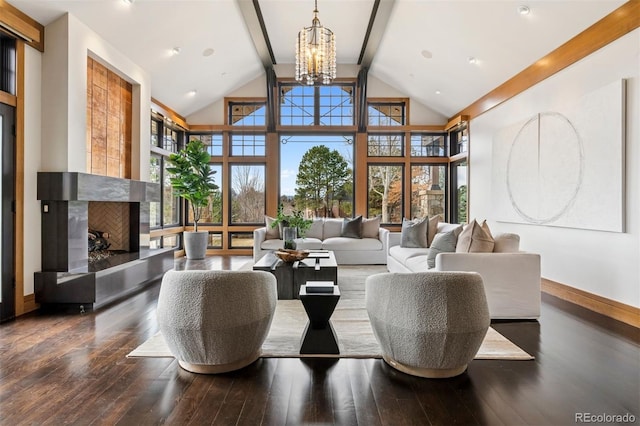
[290, 256]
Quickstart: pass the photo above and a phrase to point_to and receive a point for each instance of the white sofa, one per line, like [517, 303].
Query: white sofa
[511, 277]
[325, 234]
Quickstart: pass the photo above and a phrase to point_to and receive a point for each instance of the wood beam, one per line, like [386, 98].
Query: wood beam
[613, 26]
[21, 26]
[377, 24]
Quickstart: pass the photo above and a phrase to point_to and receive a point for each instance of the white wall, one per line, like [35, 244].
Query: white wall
[68, 42]
[603, 263]
[32, 141]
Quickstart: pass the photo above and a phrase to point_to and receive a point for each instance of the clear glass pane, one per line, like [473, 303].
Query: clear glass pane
[213, 142]
[171, 203]
[385, 145]
[215, 240]
[155, 172]
[460, 198]
[386, 114]
[241, 240]
[247, 193]
[336, 105]
[297, 105]
[155, 243]
[316, 175]
[213, 214]
[248, 144]
[428, 145]
[247, 113]
[428, 189]
[171, 241]
[385, 192]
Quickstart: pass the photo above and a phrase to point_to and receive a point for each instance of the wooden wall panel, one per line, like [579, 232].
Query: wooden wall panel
[108, 122]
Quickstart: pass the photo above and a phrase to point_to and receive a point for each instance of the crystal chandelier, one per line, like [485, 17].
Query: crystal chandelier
[315, 53]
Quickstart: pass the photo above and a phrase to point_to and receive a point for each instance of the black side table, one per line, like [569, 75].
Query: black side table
[319, 336]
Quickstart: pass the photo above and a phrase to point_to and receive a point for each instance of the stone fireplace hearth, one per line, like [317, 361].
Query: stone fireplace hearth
[72, 203]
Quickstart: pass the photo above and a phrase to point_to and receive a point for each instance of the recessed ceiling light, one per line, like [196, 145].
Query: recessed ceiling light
[128, 1]
[208, 52]
[523, 10]
[192, 92]
[472, 60]
[437, 92]
[176, 50]
[426, 54]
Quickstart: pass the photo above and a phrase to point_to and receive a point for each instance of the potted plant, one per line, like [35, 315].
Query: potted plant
[191, 177]
[293, 225]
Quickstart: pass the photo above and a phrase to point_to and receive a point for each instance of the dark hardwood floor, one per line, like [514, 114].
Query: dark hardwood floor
[71, 369]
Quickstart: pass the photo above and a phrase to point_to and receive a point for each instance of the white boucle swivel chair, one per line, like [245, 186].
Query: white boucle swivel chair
[428, 324]
[216, 321]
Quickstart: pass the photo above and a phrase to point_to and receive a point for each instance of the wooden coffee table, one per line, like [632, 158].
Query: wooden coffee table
[321, 265]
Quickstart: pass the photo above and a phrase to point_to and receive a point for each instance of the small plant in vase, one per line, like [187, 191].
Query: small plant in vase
[293, 225]
[191, 177]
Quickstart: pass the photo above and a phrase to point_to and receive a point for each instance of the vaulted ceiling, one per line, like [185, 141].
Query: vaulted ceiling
[422, 48]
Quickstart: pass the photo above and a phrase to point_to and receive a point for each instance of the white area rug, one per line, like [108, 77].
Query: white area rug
[350, 322]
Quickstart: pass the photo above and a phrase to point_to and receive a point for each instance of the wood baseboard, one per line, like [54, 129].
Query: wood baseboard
[611, 308]
[30, 303]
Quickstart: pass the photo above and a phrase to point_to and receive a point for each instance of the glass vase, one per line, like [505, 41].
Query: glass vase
[289, 234]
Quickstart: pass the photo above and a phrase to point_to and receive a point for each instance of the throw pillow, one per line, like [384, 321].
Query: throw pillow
[506, 243]
[371, 227]
[414, 233]
[444, 242]
[352, 228]
[272, 233]
[474, 239]
[433, 228]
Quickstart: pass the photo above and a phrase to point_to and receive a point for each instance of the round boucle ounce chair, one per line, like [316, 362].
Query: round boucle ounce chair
[428, 324]
[216, 321]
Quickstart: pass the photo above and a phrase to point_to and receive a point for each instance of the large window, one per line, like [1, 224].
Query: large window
[247, 193]
[330, 105]
[316, 175]
[166, 138]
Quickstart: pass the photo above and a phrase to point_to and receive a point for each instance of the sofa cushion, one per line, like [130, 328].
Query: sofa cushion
[272, 244]
[273, 233]
[332, 228]
[315, 231]
[444, 242]
[351, 228]
[474, 239]
[401, 254]
[418, 263]
[371, 227]
[344, 243]
[308, 243]
[414, 233]
[506, 243]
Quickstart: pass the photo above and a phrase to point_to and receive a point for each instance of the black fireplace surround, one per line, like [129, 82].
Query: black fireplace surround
[67, 277]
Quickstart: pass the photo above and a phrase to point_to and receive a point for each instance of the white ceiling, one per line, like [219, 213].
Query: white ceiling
[503, 41]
